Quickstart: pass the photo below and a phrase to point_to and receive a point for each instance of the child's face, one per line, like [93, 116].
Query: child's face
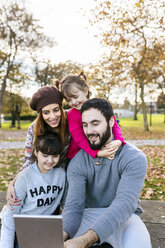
[80, 96]
[46, 162]
[51, 114]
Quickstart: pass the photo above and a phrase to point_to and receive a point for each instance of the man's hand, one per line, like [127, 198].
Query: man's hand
[65, 235]
[74, 243]
[84, 241]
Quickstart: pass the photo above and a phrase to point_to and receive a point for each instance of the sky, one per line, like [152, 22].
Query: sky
[64, 21]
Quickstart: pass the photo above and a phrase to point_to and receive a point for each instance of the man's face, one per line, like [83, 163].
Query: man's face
[96, 128]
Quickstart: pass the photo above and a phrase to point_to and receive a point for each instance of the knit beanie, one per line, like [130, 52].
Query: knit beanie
[44, 96]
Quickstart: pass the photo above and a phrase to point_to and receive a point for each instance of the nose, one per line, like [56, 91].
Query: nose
[88, 130]
[50, 159]
[73, 101]
[52, 114]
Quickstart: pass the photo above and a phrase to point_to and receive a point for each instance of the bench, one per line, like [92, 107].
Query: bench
[153, 217]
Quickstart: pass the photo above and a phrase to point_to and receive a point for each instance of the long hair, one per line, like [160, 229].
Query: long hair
[40, 126]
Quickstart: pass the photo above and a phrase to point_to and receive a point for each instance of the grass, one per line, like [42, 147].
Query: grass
[6, 126]
[135, 130]
[157, 122]
[10, 162]
[154, 187]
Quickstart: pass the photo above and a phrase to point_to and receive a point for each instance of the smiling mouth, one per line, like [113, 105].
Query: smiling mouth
[93, 138]
[50, 165]
[54, 121]
[77, 105]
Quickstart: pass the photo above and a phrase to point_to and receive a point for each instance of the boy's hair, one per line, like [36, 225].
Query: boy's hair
[79, 80]
[100, 104]
[48, 143]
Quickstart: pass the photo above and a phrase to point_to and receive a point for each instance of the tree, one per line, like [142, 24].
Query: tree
[133, 36]
[13, 104]
[161, 103]
[45, 71]
[19, 33]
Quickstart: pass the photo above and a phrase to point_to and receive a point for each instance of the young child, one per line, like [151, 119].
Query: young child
[76, 92]
[41, 186]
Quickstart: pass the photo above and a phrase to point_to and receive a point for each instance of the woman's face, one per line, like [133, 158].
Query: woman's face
[51, 114]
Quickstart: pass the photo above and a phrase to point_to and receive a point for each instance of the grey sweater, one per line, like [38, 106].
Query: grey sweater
[40, 194]
[113, 184]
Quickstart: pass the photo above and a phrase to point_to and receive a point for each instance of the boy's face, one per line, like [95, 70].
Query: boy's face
[46, 162]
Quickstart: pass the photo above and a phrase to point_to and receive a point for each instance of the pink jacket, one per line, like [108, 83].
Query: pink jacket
[78, 140]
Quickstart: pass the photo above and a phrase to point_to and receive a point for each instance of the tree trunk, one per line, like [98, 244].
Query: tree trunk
[135, 109]
[150, 114]
[2, 92]
[146, 128]
[19, 123]
[18, 111]
[13, 119]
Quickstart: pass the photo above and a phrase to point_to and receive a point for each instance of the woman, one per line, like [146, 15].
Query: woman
[47, 101]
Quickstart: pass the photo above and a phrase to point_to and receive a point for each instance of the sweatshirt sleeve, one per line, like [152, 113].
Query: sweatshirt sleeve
[76, 130]
[117, 132]
[8, 227]
[75, 201]
[28, 146]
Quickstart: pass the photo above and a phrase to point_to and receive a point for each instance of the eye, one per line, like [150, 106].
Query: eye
[84, 125]
[56, 156]
[56, 110]
[44, 155]
[45, 112]
[67, 99]
[95, 123]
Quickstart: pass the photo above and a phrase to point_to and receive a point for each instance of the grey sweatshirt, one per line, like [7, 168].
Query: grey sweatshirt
[40, 194]
[102, 183]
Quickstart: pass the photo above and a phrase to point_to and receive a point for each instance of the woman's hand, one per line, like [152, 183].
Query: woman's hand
[11, 197]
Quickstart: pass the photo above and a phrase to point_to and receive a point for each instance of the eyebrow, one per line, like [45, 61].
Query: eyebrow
[91, 121]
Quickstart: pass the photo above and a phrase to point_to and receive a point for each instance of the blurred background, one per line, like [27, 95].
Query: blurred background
[121, 47]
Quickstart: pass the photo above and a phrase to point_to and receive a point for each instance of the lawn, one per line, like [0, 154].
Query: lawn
[131, 129]
[6, 126]
[135, 130]
[154, 187]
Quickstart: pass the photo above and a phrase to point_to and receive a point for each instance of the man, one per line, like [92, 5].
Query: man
[102, 201]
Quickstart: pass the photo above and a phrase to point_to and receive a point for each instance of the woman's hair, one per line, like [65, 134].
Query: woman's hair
[65, 85]
[41, 127]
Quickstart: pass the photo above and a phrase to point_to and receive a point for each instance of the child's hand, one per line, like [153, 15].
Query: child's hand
[109, 150]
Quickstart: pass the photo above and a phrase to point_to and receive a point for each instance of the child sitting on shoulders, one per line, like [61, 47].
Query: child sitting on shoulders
[76, 92]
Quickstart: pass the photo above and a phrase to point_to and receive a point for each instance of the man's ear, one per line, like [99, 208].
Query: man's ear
[111, 121]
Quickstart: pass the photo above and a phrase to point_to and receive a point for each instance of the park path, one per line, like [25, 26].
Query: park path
[21, 144]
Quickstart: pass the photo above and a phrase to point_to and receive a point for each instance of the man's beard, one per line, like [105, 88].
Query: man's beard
[103, 139]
